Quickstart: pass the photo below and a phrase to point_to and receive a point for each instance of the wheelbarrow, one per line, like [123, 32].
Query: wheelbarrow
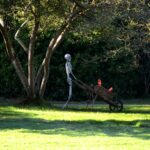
[106, 95]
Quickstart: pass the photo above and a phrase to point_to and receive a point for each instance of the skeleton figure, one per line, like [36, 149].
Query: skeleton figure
[70, 76]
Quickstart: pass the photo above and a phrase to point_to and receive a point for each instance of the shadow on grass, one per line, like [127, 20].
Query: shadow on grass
[137, 128]
[81, 108]
[103, 109]
[6, 112]
[13, 120]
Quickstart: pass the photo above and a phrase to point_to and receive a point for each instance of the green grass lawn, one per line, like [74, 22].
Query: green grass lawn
[26, 128]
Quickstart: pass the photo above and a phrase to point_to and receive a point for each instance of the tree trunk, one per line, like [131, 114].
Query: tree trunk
[31, 76]
[15, 61]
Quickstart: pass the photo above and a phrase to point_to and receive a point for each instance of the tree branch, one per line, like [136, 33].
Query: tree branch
[19, 40]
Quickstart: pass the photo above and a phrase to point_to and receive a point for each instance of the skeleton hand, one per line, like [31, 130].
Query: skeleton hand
[69, 80]
[72, 75]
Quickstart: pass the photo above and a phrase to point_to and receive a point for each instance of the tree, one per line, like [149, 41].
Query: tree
[38, 15]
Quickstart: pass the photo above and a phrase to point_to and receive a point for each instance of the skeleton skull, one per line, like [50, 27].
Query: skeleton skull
[67, 57]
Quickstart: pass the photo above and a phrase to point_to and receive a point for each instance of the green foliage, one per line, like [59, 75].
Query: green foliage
[10, 85]
[102, 44]
[98, 58]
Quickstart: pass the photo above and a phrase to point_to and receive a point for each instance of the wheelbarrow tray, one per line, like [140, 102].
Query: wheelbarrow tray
[101, 92]
[106, 96]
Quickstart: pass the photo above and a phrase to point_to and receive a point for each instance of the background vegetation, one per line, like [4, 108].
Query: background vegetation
[115, 50]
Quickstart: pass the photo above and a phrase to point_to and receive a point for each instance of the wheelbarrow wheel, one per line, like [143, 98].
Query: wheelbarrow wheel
[117, 107]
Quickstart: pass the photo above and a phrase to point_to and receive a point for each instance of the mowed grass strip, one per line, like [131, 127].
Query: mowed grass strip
[45, 128]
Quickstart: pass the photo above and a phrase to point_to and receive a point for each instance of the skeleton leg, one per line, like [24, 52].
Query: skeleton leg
[70, 95]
